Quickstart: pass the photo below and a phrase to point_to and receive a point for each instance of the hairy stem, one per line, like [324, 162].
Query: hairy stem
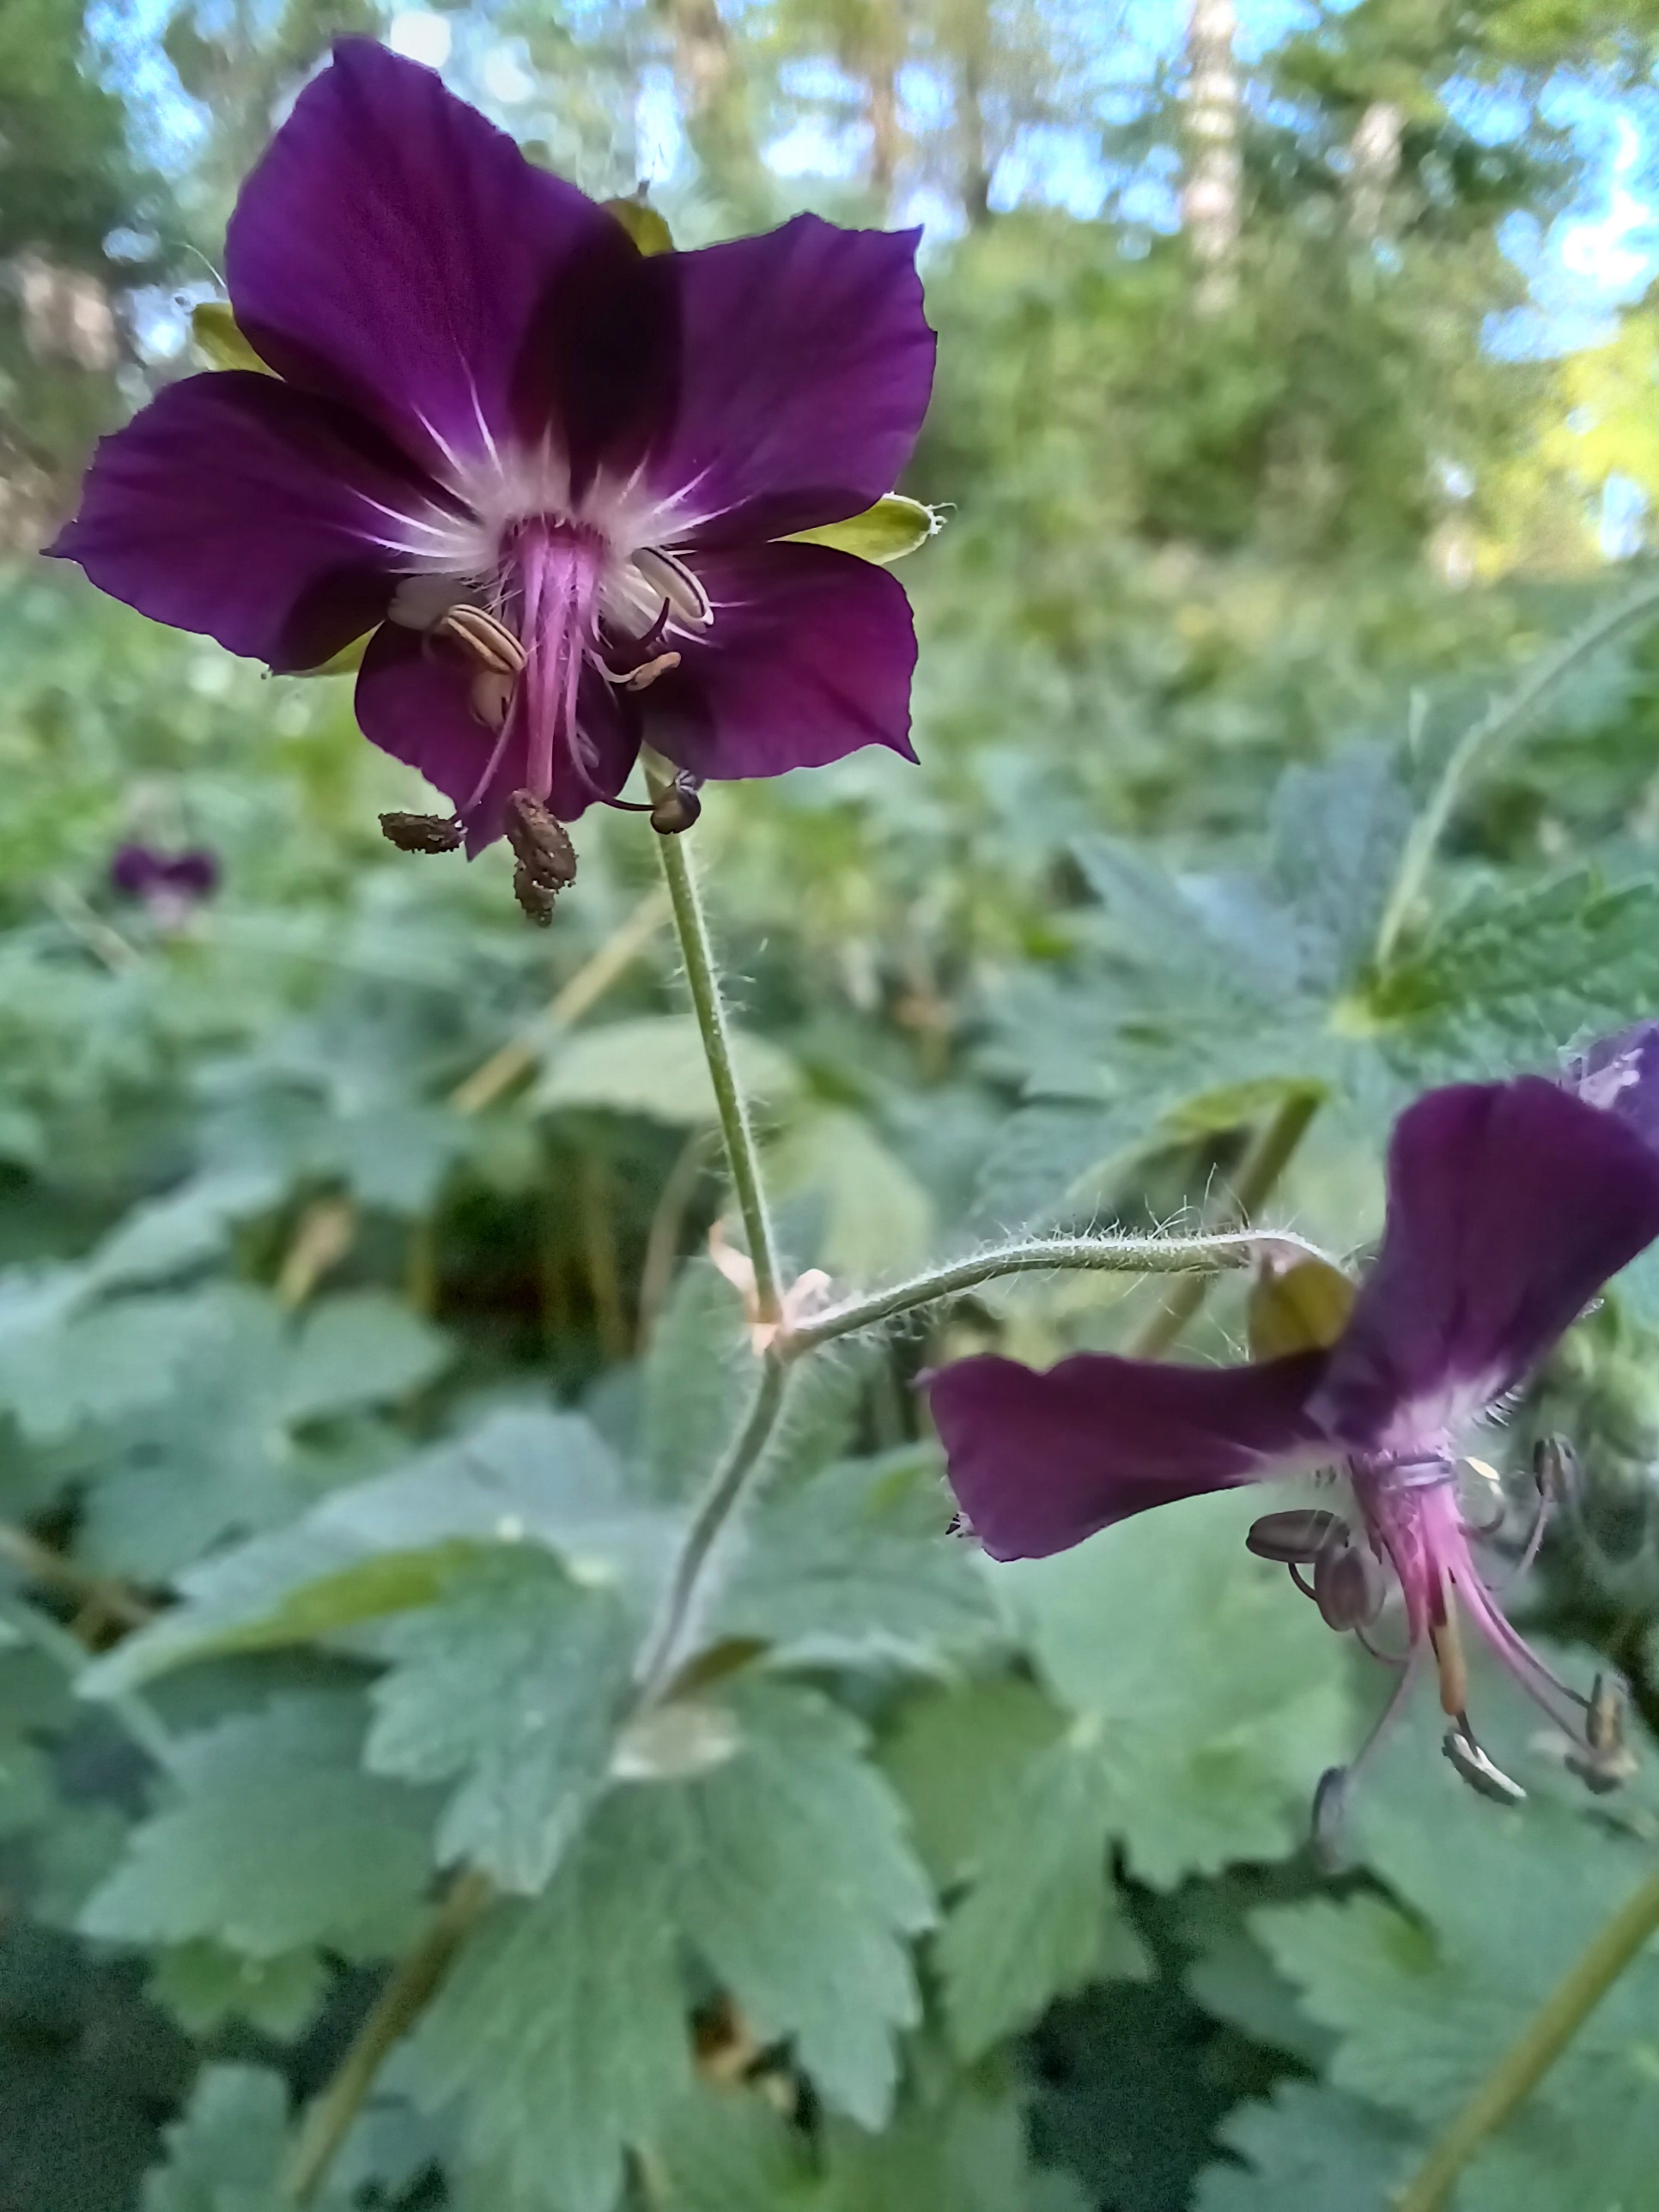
[720, 1501]
[1260, 1170]
[709, 1006]
[1501, 720]
[395, 2011]
[1546, 2036]
[1199, 1255]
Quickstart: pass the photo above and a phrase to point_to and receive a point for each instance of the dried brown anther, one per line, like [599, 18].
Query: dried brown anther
[422, 833]
[546, 858]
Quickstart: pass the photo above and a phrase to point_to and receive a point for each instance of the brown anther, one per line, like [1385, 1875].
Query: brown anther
[422, 833]
[1483, 1774]
[490, 643]
[1448, 1647]
[1295, 1537]
[541, 842]
[1346, 1586]
[676, 809]
[533, 896]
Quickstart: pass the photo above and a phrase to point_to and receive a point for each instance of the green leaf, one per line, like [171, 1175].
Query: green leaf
[732, 2152]
[228, 2152]
[699, 1373]
[1311, 2149]
[213, 328]
[564, 2027]
[655, 1066]
[392, 1545]
[1211, 1694]
[361, 1349]
[515, 1682]
[886, 532]
[1338, 831]
[1051, 1158]
[1510, 976]
[1043, 1915]
[854, 1565]
[272, 1839]
[172, 1234]
[799, 1812]
[220, 1455]
[877, 1220]
[1427, 1992]
[955, 1754]
[957, 2146]
[204, 1986]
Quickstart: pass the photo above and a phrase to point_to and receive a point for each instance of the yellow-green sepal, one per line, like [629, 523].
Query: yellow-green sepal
[1302, 1308]
[348, 658]
[886, 532]
[641, 222]
[213, 327]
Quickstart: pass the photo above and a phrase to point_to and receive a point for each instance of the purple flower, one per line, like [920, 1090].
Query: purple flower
[1510, 1205]
[169, 883]
[548, 472]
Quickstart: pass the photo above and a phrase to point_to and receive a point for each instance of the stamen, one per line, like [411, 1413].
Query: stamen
[1345, 1585]
[1295, 1538]
[1483, 1774]
[1605, 1762]
[642, 678]
[490, 697]
[1493, 1485]
[1336, 1785]
[534, 896]
[667, 574]
[422, 833]
[489, 642]
[540, 842]
[677, 807]
[1555, 1469]
[1447, 1644]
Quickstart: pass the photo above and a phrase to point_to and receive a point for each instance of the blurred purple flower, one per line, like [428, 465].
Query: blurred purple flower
[1510, 1205]
[169, 883]
[548, 472]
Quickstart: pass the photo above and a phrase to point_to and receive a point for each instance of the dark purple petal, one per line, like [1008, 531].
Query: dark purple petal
[394, 249]
[1620, 1074]
[809, 657]
[1510, 1206]
[414, 700]
[1040, 1462]
[807, 365]
[240, 508]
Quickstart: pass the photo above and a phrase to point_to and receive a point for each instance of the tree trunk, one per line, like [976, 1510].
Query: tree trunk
[1374, 152]
[1210, 197]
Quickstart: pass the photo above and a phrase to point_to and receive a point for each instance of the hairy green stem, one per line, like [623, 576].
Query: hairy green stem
[741, 1152]
[411, 1985]
[1260, 1170]
[1501, 720]
[1200, 1255]
[719, 1502]
[1546, 2036]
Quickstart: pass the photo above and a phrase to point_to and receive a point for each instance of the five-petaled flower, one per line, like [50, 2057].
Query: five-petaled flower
[550, 473]
[1510, 1205]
